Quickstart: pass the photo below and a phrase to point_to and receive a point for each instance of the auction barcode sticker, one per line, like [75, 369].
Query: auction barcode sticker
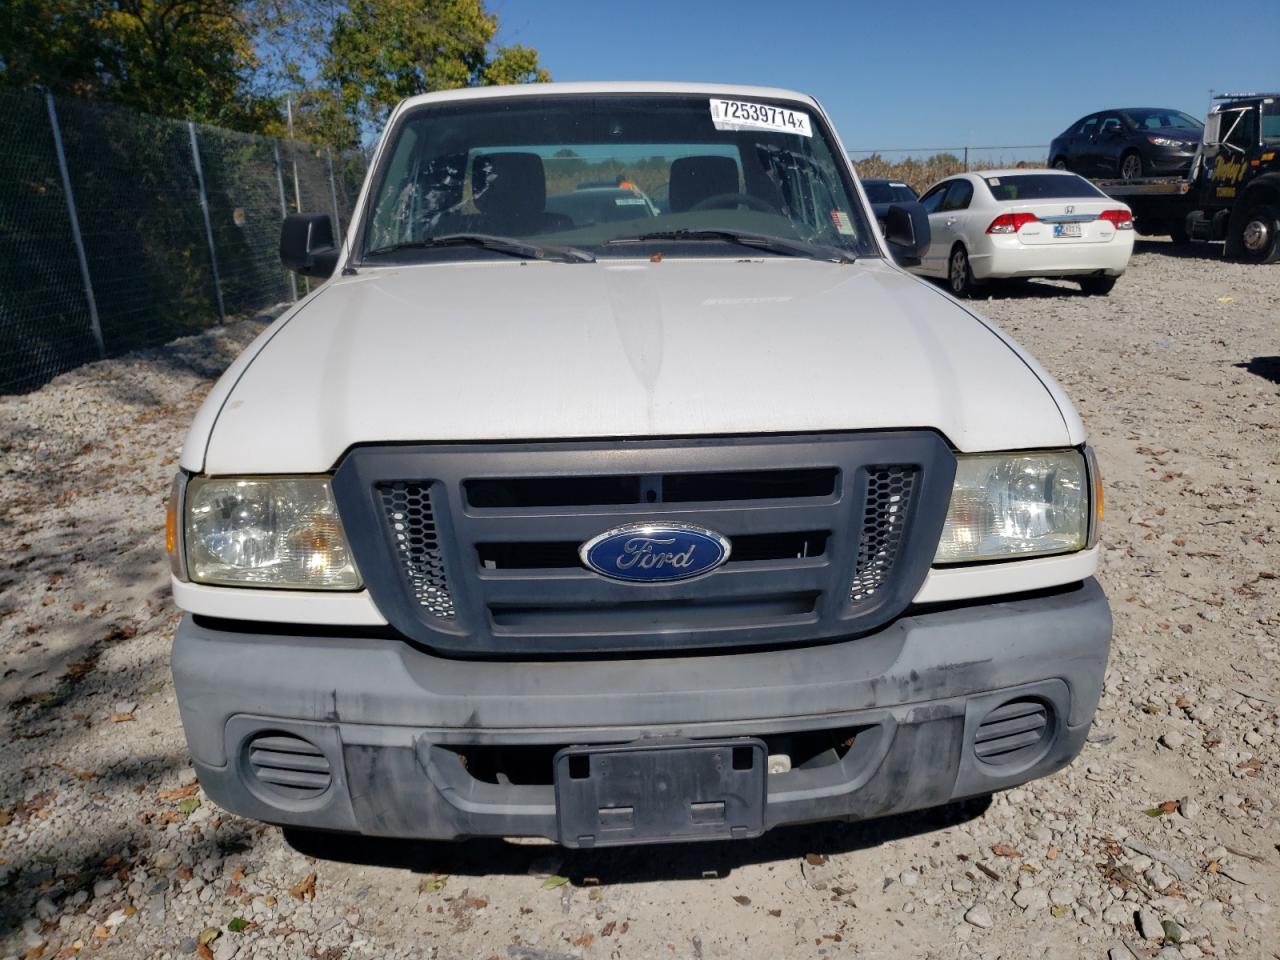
[741, 115]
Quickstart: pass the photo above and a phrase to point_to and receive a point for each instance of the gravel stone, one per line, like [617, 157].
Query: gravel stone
[1031, 899]
[1149, 925]
[979, 916]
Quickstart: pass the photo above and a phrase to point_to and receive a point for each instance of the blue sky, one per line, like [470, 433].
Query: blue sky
[930, 75]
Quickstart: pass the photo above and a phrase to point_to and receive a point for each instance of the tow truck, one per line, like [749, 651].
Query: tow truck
[1231, 192]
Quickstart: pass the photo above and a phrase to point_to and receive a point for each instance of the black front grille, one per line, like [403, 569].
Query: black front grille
[474, 549]
[524, 555]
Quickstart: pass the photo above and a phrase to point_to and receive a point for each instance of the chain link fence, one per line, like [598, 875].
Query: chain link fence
[923, 166]
[120, 230]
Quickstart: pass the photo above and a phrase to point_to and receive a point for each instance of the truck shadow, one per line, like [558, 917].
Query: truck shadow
[1180, 251]
[1266, 367]
[638, 864]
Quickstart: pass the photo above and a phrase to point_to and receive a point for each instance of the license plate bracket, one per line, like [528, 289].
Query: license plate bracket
[656, 791]
[1066, 230]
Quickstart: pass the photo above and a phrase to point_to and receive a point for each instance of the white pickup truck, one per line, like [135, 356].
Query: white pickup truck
[679, 512]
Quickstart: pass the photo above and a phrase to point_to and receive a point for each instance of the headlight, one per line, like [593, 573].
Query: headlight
[1016, 505]
[267, 532]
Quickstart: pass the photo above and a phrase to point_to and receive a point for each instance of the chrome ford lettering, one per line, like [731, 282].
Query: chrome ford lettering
[643, 552]
[655, 552]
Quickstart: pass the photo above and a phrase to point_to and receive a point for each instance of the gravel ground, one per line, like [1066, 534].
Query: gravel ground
[1161, 840]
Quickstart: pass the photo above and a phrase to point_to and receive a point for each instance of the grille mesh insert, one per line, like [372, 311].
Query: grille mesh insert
[884, 523]
[413, 526]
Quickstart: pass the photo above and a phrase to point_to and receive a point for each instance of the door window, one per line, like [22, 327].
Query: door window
[958, 196]
[1089, 127]
[931, 200]
[1111, 126]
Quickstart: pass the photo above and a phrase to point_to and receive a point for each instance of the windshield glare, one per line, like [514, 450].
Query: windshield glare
[587, 171]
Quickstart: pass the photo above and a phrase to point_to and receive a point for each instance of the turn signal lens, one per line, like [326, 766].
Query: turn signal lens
[1011, 222]
[1120, 219]
[1099, 499]
[173, 528]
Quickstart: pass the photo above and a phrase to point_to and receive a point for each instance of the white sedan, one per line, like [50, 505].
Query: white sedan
[1025, 223]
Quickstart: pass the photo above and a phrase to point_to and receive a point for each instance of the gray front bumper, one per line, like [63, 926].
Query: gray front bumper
[384, 712]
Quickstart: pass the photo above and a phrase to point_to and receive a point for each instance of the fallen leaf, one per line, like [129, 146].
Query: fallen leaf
[586, 940]
[1005, 850]
[208, 935]
[742, 901]
[237, 874]
[477, 903]
[304, 889]
[553, 881]
[775, 913]
[122, 718]
[1051, 853]
[987, 870]
[184, 873]
[432, 884]
[189, 790]
[204, 953]
[815, 859]
[234, 889]
[1058, 910]
[238, 924]
[608, 929]
[189, 805]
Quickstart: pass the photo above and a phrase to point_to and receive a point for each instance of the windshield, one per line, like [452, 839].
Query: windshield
[882, 191]
[593, 172]
[1163, 119]
[1041, 186]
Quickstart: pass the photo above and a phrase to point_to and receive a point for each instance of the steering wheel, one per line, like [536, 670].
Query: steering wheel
[724, 201]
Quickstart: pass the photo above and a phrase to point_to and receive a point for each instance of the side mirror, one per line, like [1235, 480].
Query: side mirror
[906, 229]
[307, 245]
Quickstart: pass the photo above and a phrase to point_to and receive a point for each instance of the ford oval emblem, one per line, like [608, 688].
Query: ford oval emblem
[655, 552]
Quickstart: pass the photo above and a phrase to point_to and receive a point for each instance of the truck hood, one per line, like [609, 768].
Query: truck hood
[512, 350]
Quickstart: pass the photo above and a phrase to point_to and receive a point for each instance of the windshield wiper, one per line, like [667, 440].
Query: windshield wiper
[489, 241]
[795, 248]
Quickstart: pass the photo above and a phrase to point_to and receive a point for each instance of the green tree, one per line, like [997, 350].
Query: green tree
[178, 58]
[381, 51]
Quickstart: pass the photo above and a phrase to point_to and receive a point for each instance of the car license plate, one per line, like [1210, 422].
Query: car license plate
[1066, 229]
[652, 791]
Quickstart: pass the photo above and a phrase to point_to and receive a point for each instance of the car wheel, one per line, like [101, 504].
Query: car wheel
[1178, 233]
[1060, 164]
[1259, 239]
[1131, 166]
[959, 273]
[1097, 286]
